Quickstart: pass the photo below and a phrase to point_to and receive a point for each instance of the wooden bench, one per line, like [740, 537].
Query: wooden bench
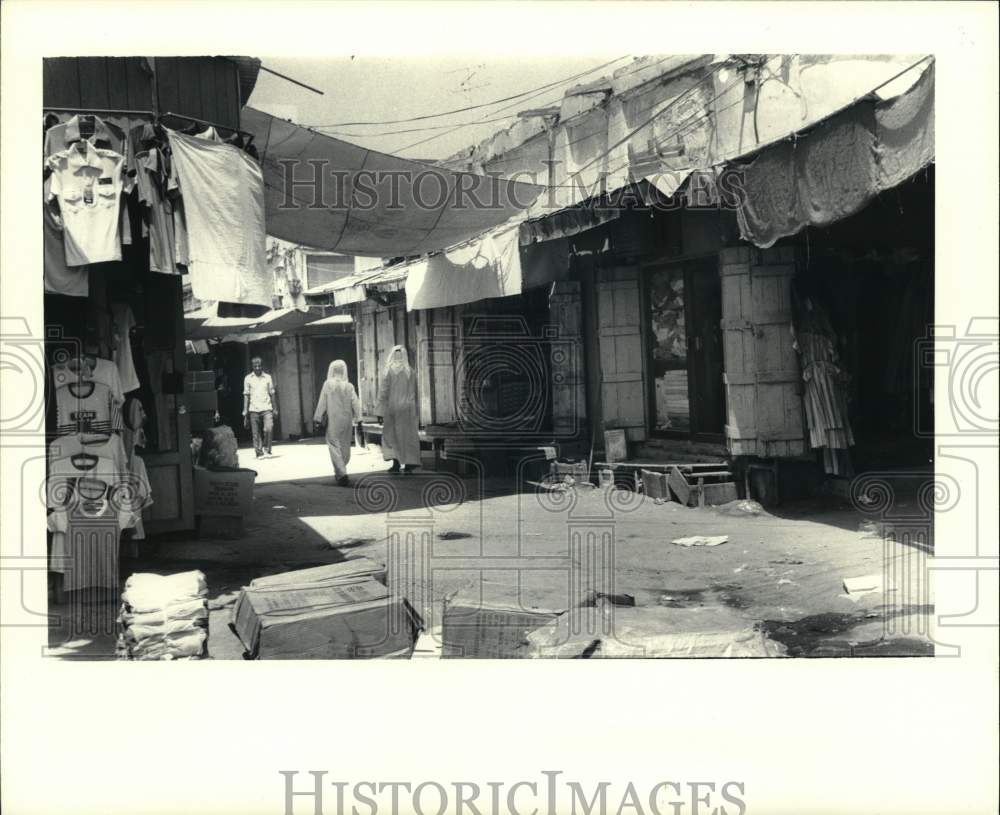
[371, 430]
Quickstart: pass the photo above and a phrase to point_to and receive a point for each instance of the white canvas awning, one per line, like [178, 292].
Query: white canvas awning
[356, 201]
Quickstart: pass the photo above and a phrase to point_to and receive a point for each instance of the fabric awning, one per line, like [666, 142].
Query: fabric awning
[493, 265]
[845, 158]
[273, 322]
[194, 319]
[220, 326]
[334, 319]
[344, 290]
[489, 266]
[356, 201]
[838, 167]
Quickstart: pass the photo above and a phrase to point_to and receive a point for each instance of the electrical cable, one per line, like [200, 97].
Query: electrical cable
[696, 119]
[457, 126]
[454, 125]
[547, 86]
[431, 138]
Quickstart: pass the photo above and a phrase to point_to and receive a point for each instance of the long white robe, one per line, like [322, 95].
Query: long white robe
[340, 406]
[400, 431]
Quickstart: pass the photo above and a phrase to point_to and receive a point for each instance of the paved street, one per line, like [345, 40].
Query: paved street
[472, 541]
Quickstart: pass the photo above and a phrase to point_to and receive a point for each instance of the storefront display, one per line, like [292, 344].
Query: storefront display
[112, 274]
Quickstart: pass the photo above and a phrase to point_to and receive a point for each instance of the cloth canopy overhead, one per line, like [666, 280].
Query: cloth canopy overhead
[275, 321]
[839, 167]
[835, 175]
[356, 201]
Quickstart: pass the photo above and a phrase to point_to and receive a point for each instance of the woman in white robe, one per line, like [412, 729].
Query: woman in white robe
[398, 400]
[339, 409]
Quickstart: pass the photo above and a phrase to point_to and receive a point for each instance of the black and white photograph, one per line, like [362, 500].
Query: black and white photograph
[634, 353]
[636, 373]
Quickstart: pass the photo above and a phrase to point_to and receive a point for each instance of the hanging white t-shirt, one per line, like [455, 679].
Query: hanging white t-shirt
[88, 477]
[124, 322]
[222, 190]
[72, 281]
[144, 495]
[90, 368]
[87, 181]
[86, 406]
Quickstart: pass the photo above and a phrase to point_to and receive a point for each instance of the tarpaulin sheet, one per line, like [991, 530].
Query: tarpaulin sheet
[905, 131]
[650, 632]
[342, 291]
[489, 266]
[493, 265]
[836, 169]
[382, 205]
[565, 223]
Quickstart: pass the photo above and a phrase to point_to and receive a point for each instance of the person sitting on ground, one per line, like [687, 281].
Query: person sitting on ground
[338, 408]
[260, 407]
[398, 400]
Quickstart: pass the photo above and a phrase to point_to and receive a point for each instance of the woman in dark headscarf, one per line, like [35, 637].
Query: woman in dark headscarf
[398, 398]
[339, 409]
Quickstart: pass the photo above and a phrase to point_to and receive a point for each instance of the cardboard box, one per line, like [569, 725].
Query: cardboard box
[490, 632]
[654, 485]
[350, 571]
[577, 470]
[357, 620]
[615, 446]
[223, 492]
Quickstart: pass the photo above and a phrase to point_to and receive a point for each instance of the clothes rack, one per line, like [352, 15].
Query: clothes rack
[167, 114]
[150, 114]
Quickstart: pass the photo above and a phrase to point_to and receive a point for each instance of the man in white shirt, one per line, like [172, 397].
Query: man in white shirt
[260, 406]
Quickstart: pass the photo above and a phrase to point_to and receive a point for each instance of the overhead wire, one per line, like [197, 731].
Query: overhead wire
[467, 108]
[521, 100]
[459, 127]
[683, 127]
[693, 121]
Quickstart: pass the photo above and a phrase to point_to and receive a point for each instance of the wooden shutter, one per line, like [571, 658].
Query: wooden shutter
[763, 381]
[441, 362]
[568, 394]
[619, 324]
[367, 365]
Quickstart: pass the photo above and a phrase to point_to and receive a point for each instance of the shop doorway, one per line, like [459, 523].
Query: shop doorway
[324, 351]
[504, 367]
[874, 275]
[684, 344]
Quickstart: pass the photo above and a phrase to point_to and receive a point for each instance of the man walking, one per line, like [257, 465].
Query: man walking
[260, 406]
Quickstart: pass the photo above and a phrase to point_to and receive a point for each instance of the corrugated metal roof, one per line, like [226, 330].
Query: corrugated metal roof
[249, 69]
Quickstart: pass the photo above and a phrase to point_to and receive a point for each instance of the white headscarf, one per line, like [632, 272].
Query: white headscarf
[401, 363]
[337, 370]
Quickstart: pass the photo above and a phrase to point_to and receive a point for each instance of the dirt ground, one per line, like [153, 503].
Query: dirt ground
[472, 540]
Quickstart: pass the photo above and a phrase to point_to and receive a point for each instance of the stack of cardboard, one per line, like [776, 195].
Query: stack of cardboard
[341, 611]
[474, 630]
[164, 617]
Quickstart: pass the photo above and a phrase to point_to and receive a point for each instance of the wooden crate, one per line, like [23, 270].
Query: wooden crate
[654, 485]
[577, 470]
[702, 487]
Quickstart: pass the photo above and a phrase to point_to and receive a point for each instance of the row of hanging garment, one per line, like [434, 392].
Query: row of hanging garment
[191, 199]
[97, 484]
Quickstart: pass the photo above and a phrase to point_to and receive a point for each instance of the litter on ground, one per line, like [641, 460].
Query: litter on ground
[856, 586]
[701, 540]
